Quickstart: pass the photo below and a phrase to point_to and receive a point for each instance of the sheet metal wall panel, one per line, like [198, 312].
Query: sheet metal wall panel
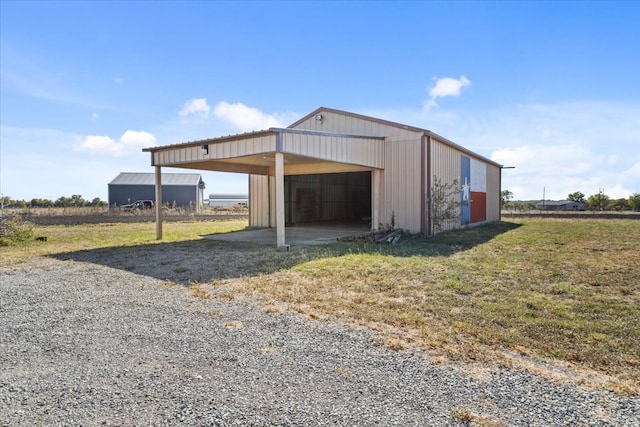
[493, 193]
[218, 151]
[183, 196]
[272, 201]
[446, 165]
[340, 123]
[400, 182]
[479, 175]
[343, 149]
[258, 201]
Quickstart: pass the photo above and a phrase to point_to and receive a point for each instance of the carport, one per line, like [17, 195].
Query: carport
[305, 157]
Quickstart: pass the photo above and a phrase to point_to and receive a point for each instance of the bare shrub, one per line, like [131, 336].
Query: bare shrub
[14, 229]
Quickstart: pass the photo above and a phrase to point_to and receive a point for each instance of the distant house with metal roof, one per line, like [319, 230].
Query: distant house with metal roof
[183, 190]
[228, 200]
[562, 205]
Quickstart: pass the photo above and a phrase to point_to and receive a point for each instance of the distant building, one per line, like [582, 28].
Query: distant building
[562, 205]
[228, 200]
[183, 190]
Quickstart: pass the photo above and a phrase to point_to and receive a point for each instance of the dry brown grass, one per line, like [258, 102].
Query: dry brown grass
[197, 290]
[560, 290]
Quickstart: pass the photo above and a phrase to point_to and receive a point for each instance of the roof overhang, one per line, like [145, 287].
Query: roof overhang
[304, 152]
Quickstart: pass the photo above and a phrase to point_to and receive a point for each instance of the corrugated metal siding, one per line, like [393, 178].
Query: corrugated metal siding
[217, 151]
[400, 197]
[137, 178]
[258, 201]
[445, 164]
[493, 193]
[340, 123]
[183, 196]
[359, 151]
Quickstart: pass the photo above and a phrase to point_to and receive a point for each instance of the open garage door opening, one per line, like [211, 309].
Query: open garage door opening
[334, 198]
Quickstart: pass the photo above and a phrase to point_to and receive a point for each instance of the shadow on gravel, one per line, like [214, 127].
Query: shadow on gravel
[206, 260]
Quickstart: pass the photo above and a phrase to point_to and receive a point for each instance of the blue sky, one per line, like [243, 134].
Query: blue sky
[551, 88]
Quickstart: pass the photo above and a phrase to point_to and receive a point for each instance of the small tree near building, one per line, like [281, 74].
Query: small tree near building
[598, 202]
[444, 203]
[578, 197]
[634, 202]
[505, 198]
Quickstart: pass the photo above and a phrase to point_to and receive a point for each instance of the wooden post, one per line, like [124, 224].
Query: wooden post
[158, 203]
[280, 239]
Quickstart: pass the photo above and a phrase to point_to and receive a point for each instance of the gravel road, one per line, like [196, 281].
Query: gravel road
[88, 344]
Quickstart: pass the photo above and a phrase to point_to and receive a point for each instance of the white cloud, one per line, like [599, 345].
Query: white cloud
[99, 145]
[444, 87]
[195, 107]
[585, 146]
[95, 116]
[130, 141]
[138, 139]
[246, 118]
[448, 87]
[118, 80]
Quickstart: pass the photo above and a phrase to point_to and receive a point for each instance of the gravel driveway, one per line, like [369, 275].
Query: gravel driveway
[84, 343]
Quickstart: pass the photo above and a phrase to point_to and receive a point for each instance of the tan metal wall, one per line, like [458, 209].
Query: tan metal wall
[172, 156]
[258, 201]
[349, 125]
[493, 192]
[400, 197]
[400, 186]
[445, 164]
[358, 151]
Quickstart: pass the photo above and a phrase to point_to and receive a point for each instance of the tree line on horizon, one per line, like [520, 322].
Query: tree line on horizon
[595, 202]
[76, 200]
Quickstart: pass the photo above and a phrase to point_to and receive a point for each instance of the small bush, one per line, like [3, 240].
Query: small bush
[14, 229]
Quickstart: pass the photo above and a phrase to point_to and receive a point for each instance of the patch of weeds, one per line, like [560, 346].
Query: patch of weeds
[458, 286]
[168, 284]
[343, 372]
[395, 343]
[272, 309]
[234, 324]
[461, 415]
[267, 351]
[225, 296]
[198, 291]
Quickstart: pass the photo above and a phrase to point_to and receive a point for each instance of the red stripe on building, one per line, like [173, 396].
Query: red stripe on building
[478, 207]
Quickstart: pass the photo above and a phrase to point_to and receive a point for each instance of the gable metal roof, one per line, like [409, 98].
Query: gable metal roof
[137, 178]
[397, 125]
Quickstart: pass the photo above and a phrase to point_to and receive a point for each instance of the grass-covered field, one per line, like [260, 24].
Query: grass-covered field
[566, 290]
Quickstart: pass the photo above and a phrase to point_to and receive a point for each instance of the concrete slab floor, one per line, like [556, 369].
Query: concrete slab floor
[305, 235]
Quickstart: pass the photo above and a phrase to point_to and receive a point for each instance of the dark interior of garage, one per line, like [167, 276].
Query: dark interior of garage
[334, 197]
